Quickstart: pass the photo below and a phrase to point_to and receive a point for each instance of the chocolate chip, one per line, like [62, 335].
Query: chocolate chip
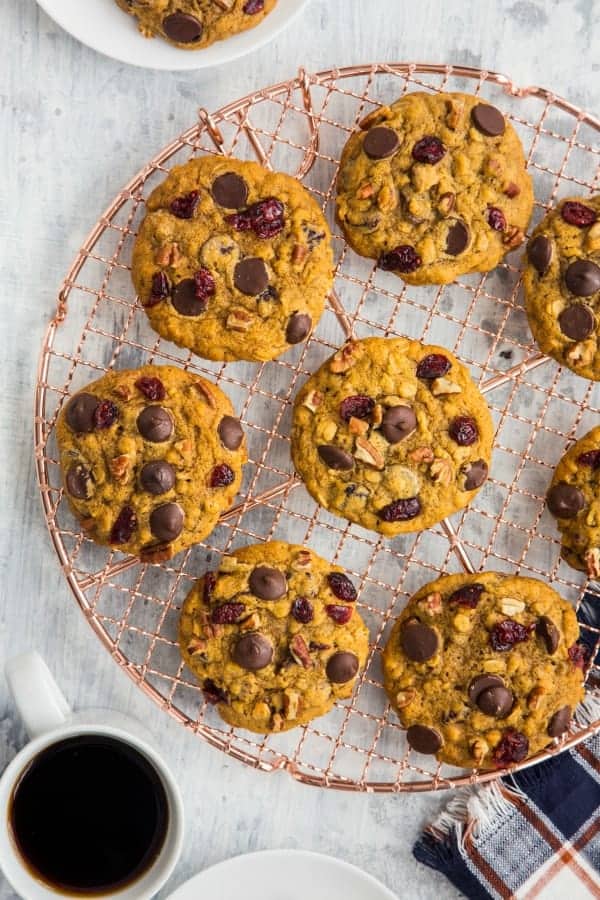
[230, 190]
[77, 481]
[583, 278]
[298, 328]
[483, 683]
[539, 253]
[166, 521]
[335, 458]
[184, 298]
[80, 412]
[230, 432]
[182, 28]
[419, 642]
[577, 321]
[549, 633]
[250, 276]
[424, 739]
[155, 424]
[157, 477]
[457, 238]
[496, 701]
[488, 120]
[564, 500]
[559, 722]
[267, 583]
[397, 423]
[252, 651]
[475, 474]
[380, 142]
[341, 667]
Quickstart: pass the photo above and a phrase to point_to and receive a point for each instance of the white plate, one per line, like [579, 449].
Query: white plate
[103, 26]
[283, 875]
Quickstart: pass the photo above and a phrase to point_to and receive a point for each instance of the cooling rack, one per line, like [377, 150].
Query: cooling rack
[300, 126]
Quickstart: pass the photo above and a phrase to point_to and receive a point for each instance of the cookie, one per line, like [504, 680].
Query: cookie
[484, 670]
[433, 187]
[232, 261]
[193, 24]
[150, 458]
[562, 285]
[574, 500]
[392, 434]
[273, 636]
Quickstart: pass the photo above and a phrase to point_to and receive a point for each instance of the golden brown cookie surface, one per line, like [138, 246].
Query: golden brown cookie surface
[150, 458]
[562, 285]
[193, 24]
[232, 261]
[434, 186]
[479, 671]
[273, 636]
[392, 434]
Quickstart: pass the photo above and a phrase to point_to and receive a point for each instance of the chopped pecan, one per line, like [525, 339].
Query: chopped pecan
[387, 198]
[422, 454]
[534, 697]
[367, 453]
[276, 722]
[156, 553]
[511, 606]
[184, 449]
[196, 646]
[513, 236]
[592, 241]
[441, 470]
[299, 652]
[443, 385]
[366, 190]
[479, 750]
[312, 400]
[205, 393]
[581, 353]
[303, 560]
[299, 253]
[446, 203]
[377, 415]
[124, 391]
[592, 562]
[291, 704]
[455, 113]
[403, 698]
[432, 603]
[252, 623]
[224, 4]
[168, 255]
[120, 468]
[239, 319]
[358, 426]
[512, 190]
[344, 359]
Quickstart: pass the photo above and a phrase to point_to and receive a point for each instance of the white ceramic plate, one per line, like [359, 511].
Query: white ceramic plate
[103, 26]
[283, 875]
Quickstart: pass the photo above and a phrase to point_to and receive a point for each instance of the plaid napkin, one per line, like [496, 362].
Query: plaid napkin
[535, 834]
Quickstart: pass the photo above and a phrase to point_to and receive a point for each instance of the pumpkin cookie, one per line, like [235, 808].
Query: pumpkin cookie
[193, 24]
[273, 636]
[392, 434]
[434, 187]
[574, 500]
[562, 285]
[483, 670]
[150, 457]
[232, 261]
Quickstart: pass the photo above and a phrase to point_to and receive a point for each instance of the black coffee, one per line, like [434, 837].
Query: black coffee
[89, 814]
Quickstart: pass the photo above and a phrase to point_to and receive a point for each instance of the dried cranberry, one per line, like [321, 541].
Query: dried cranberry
[496, 218]
[579, 654]
[264, 218]
[506, 634]
[213, 693]
[339, 614]
[251, 7]
[403, 258]
[342, 587]
[358, 407]
[105, 414]
[152, 388]
[433, 366]
[227, 613]
[428, 150]
[591, 458]
[161, 288]
[463, 430]
[124, 526]
[400, 510]
[577, 214]
[468, 595]
[205, 284]
[221, 476]
[210, 579]
[513, 747]
[302, 610]
[184, 207]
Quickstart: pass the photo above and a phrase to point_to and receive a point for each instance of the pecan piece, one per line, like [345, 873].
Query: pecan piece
[446, 203]
[358, 426]
[513, 236]
[344, 359]
[441, 471]
[291, 704]
[120, 468]
[367, 453]
[123, 391]
[239, 319]
[422, 454]
[443, 385]
[312, 400]
[299, 253]
[205, 393]
[592, 562]
[299, 652]
[512, 190]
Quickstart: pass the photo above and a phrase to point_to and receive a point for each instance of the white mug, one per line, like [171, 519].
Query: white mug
[48, 719]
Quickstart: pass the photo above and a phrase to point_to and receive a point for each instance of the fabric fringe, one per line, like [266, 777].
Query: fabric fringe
[588, 710]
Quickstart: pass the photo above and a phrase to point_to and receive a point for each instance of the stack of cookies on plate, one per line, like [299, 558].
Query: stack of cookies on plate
[234, 262]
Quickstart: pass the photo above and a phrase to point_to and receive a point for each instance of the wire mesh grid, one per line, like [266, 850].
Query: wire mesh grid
[300, 127]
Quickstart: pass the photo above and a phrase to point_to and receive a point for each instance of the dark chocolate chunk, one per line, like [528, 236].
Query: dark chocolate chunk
[78, 480]
[230, 432]
[157, 477]
[419, 642]
[252, 651]
[298, 328]
[182, 28]
[80, 412]
[564, 500]
[334, 457]
[398, 422]
[577, 321]
[496, 701]
[185, 299]
[539, 253]
[381, 142]
[267, 583]
[549, 633]
[583, 278]
[488, 120]
[250, 276]
[166, 521]
[230, 190]
[424, 739]
[342, 667]
[155, 424]
[482, 683]
[475, 474]
[457, 238]
[559, 722]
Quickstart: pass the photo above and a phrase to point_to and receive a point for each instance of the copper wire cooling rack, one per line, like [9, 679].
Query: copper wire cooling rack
[300, 126]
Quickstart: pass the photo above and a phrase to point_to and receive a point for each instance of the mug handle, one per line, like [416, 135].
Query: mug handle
[39, 699]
